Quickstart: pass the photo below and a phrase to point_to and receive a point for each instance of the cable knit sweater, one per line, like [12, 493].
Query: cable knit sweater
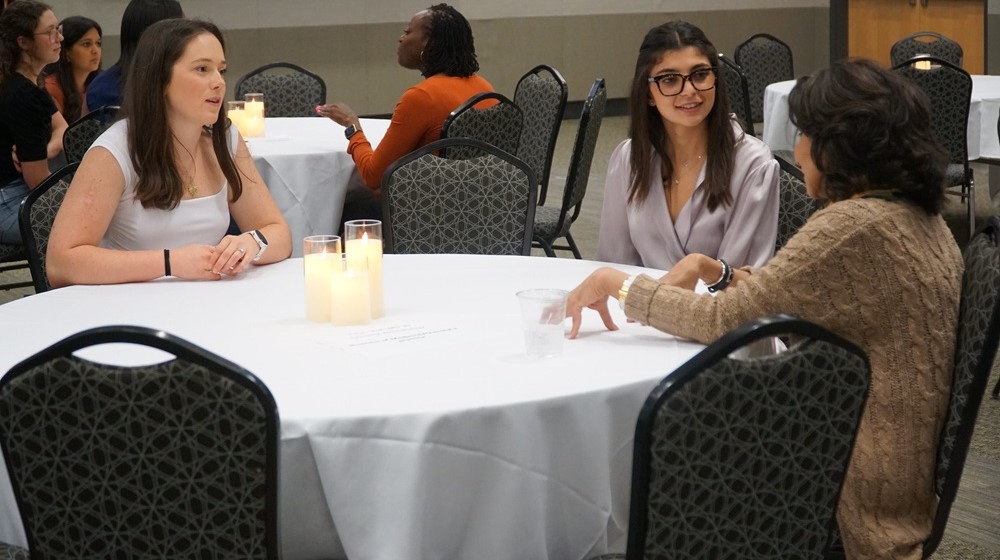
[886, 276]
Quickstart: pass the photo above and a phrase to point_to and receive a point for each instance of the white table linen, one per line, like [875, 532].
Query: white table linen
[305, 164]
[984, 109]
[427, 434]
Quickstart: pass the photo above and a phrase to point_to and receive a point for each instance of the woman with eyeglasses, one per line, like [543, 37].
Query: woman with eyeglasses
[31, 128]
[687, 180]
[80, 61]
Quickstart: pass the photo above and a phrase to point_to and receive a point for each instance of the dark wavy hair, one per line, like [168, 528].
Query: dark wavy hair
[138, 16]
[17, 20]
[450, 48]
[150, 139]
[646, 126]
[870, 129]
[74, 28]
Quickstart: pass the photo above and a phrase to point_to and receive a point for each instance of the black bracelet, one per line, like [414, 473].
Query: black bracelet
[166, 262]
[727, 277]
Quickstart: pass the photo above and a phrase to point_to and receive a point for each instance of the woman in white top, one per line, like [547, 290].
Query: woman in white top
[153, 196]
[687, 180]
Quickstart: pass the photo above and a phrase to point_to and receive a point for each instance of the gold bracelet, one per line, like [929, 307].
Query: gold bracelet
[623, 290]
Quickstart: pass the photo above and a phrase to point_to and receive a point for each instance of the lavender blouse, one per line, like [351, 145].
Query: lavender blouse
[742, 233]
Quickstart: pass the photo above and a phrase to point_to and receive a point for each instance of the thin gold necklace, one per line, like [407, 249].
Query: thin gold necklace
[191, 188]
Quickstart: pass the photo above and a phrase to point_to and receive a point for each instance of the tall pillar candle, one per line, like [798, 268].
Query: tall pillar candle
[349, 297]
[254, 114]
[321, 259]
[363, 247]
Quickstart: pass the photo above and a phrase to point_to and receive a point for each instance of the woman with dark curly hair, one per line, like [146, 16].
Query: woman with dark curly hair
[438, 42]
[687, 179]
[79, 62]
[878, 266]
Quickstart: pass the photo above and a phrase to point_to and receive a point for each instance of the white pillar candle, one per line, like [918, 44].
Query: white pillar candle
[319, 268]
[349, 299]
[254, 116]
[238, 116]
[365, 253]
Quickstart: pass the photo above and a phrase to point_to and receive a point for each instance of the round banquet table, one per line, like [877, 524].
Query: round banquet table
[425, 434]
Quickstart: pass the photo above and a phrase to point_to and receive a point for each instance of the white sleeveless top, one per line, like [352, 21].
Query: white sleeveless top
[203, 220]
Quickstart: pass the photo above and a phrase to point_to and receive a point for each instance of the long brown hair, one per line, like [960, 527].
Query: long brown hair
[73, 28]
[150, 139]
[17, 20]
[646, 126]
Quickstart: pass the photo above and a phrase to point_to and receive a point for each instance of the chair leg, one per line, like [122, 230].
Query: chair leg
[545, 246]
[972, 207]
[572, 246]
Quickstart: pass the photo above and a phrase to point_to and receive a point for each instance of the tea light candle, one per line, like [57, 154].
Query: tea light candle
[319, 268]
[349, 298]
[365, 253]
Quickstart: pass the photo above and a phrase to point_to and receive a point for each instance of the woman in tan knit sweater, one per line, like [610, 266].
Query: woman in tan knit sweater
[877, 266]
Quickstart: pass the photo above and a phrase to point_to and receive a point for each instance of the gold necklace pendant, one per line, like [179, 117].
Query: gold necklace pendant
[192, 190]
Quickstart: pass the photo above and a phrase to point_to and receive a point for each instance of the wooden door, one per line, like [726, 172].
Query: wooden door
[870, 27]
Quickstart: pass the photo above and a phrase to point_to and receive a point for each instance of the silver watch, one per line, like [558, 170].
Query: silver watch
[261, 243]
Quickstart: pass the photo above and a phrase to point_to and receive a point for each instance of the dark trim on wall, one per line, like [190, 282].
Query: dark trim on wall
[617, 107]
[838, 30]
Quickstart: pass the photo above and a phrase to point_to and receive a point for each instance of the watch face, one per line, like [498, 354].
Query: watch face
[349, 131]
[261, 236]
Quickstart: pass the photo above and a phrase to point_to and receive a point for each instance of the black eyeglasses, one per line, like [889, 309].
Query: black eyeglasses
[54, 33]
[702, 79]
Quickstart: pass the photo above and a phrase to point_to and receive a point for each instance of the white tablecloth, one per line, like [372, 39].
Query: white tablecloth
[779, 134]
[427, 434]
[305, 163]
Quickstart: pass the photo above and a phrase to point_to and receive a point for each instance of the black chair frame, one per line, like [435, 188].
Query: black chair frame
[741, 95]
[238, 89]
[36, 257]
[470, 105]
[543, 180]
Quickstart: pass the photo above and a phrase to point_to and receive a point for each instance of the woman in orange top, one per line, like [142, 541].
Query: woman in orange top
[438, 42]
[79, 62]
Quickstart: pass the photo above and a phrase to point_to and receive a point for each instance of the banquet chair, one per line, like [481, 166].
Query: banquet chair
[765, 59]
[484, 205]
[744, 458]
[11, 552]
[35, 217]
[738, 91]
[490, 117]
[794, 203]
[925, 42]
[13, 258]
[82, 132]
[552, 223]
[949, 91]
[541, 95]
[176, 459]
[289, 90]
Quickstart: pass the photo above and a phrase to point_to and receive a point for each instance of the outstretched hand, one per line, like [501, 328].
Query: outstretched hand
[594, 293]
[340, 113]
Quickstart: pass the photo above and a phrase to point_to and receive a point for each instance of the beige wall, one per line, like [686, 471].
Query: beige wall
[358, 61]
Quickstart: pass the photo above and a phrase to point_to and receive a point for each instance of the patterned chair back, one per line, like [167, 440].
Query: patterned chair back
[541, 95]
[172, 460]
[489, 117]
[81, 134]
[553, 223]
[35, 217]
[738, 459]
[738, 90]
[926, 42]
[484, 205]
[975, 349]
[949, 91]
[289, 90]
[765, 59]
[794, 204]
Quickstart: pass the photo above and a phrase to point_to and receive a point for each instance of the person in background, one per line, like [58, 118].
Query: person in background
[79, 62]
[877, 266]
[687, 180]
[106, 89]
[438, 42]
[154, 194]
[31, 128]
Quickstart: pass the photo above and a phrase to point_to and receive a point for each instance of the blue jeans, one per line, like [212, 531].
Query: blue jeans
[11, 196]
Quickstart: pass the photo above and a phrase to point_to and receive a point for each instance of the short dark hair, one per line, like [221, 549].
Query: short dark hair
[870, 129]
[73, 29]
[450, 48]
[646, 130]
[150, 139]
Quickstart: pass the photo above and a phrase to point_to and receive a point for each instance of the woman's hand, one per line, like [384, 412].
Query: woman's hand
[233, 254]
[193, 262]
[340, 113]
[594, 293]
[686, 273]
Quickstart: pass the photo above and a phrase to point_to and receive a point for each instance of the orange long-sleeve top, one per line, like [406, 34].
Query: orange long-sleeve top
[416, 122]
